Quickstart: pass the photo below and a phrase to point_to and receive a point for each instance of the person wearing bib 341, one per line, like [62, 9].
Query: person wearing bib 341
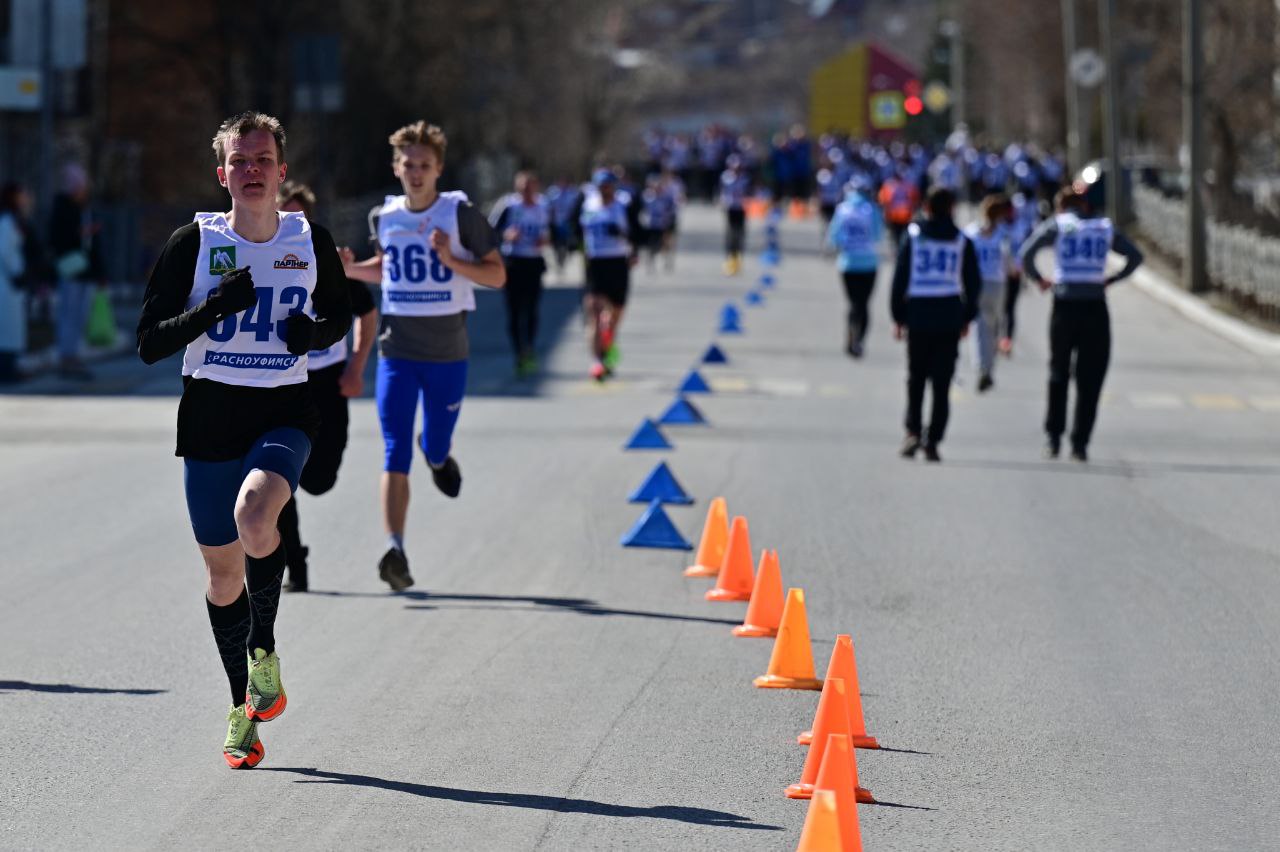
[1080, 325]
[248, 294]
[523, 218]
[857, 226]
[936, 285]
[991, 241]
[432, 249]
[335, 374]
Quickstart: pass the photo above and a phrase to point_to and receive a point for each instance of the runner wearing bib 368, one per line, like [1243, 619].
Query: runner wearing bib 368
[248, 293]
[1080, 325]
[432, 247]
[936, 285]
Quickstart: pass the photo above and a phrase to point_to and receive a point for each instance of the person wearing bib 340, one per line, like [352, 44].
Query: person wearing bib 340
[936, 285]
[605, 226]
[991, 241]
[433, 247]
[857, 226]
[1080, 325]
[248, 294]
[335, 375]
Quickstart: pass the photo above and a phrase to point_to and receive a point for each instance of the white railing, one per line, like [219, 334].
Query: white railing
[1242, 262]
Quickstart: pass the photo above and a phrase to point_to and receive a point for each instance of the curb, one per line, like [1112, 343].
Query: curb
[1242, 334]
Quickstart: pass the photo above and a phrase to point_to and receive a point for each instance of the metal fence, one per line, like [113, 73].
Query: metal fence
[1243, 263]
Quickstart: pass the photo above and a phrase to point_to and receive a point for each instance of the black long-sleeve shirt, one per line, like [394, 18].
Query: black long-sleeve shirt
[218, 421]
[941, 313]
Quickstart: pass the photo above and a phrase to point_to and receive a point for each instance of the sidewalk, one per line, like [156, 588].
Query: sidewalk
[1158, 286]
[126, 299]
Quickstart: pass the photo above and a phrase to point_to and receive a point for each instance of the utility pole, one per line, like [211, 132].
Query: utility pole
[1072, 89]
[1195, 274]
[1117, 195]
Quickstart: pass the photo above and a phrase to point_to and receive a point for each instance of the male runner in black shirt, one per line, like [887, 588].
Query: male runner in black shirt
[247, 293]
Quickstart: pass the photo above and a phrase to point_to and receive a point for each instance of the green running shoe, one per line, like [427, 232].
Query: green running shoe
[265, 698]
[612, 357]
[243, 749]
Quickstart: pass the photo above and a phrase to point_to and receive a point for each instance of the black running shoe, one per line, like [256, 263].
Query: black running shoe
[393, 568]
[910, 446]
[1052, 447]
[1079, 454]
[447, 477]
[931, 453]
[985, 383]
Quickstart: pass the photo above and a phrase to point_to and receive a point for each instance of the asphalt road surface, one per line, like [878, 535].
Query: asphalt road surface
[1064, 656]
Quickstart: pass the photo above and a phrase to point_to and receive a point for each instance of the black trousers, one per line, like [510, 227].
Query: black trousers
[735, 236]
[321, 471]
[524, 294]
[931, 361]
[858, 287]
[1079, 344]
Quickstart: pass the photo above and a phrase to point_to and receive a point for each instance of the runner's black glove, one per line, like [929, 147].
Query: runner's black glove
[613, 229]
[235, 293]
[300, 330]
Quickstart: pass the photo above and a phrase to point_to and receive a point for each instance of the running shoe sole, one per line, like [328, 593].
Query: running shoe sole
[272, 712]
[250, 760]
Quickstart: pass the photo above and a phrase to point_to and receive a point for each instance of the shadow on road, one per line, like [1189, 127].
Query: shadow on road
[1121, 469]
[66, 688]
[559, 804]
[581, 606]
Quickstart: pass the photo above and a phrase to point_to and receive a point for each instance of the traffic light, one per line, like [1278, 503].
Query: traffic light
[913, 105]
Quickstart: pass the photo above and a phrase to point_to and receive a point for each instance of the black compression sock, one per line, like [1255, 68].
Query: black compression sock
[263, 577]
[230, 625]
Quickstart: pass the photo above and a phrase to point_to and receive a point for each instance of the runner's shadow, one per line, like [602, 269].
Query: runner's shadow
[69, 689]
[581, 609]
[558, 804]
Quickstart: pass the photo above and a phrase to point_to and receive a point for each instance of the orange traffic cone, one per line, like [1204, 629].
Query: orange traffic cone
[715, 537]
[842, 665]
[839, 774]
[821, 831]
[832, 718]
[735, 579]
[764, 613]
[791, 664]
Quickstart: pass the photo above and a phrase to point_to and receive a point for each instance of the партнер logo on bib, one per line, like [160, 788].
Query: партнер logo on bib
[222, 259]
[291, 261]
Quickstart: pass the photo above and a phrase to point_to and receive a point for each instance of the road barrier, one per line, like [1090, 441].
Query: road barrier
[1242, 262]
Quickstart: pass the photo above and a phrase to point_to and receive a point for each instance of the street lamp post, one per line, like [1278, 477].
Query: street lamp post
[1117, 199]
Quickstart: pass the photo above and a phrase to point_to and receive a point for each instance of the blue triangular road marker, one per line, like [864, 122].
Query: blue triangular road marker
[694, 383]
[681, 412]
[714, 355]
[730, 319]
[767, 281]
[661, 485]
[654, 529]
[648, 437]
[754, 298]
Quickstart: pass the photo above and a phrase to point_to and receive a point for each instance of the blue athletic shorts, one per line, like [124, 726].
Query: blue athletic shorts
[212, 487]
[401, 384]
